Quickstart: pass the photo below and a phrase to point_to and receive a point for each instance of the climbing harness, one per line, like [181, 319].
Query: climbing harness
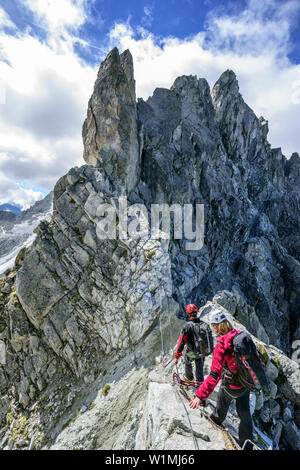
[180, 381]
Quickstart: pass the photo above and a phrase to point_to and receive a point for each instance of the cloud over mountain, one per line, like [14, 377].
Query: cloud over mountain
[48, 74]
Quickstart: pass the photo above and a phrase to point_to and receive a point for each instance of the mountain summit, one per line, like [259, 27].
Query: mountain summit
[81, 313]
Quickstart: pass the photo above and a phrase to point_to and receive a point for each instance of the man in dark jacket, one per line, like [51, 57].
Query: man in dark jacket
[186, 338]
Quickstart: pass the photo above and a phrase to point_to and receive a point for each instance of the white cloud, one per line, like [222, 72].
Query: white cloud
[46, 92]
[57, 15]
[4, 20]
[147, 19]
[48, 85]
[262, 27]
[254, 43]
[12, 192]
[61, 20]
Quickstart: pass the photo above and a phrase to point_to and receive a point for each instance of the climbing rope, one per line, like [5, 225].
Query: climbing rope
[231, 442]
[228, 437]
[163, 352]
[176, 392]
[161, 339]
[191, 428]
[188, 416]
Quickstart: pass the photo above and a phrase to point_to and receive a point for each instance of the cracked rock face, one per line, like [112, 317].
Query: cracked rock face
[212, 149]
[77, 305]
[89, 297]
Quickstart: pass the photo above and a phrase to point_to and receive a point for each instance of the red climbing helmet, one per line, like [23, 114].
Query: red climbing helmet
[191, 310]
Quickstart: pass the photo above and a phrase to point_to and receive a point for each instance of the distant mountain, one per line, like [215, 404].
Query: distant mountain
[7, 216]
[15, 209]
[16, 231]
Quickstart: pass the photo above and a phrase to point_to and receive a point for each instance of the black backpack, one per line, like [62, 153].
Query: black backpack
[203, 340]
[251, 369]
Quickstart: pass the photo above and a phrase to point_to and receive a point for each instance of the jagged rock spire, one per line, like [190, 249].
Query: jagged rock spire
[110, 129]
[77, 303]
[227, 83]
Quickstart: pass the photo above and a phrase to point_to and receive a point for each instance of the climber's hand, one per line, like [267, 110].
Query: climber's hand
[195, 403]
[175, 361]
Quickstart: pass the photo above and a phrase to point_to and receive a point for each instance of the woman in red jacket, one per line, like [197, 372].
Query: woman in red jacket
[224, 367]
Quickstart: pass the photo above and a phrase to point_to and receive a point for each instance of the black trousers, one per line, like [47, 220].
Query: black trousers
[242, 401]
[199, 363]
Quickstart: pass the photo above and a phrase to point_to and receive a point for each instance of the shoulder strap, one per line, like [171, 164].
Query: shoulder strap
[224, 353]
[195, 327]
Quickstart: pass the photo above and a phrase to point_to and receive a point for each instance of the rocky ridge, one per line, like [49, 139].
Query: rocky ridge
[79, 312]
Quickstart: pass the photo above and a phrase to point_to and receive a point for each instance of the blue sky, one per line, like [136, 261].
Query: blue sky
[178, 18]
[50, 51]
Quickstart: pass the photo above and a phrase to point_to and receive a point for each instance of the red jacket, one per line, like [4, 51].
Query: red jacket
[222, 354]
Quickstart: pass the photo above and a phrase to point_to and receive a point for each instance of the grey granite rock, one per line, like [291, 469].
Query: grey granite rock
[80, 311]
[110, 130]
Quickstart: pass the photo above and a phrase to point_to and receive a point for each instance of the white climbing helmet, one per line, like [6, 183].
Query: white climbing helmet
[218, 317]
